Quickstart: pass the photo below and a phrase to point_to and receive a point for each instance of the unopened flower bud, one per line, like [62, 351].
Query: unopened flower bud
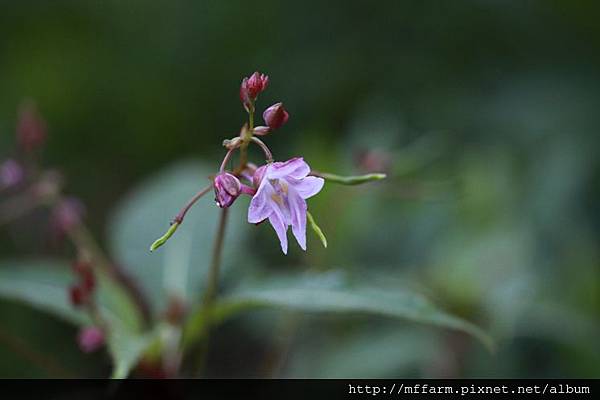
[256, 84]
[252, 87]
[11, 173]
[227, 189]
[90, 339]
[275, 116]
[31, 128]
[261, 130]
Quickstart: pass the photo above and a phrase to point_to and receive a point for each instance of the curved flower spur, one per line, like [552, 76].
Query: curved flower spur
[279, 190]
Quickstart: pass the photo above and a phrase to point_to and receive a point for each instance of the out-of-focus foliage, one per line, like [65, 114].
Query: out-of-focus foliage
[177, 270]
[482, 113]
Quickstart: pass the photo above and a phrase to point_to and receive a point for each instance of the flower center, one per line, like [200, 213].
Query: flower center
[281, 190]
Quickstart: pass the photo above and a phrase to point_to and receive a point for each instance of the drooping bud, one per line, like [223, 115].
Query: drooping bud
[252, 87]
[90, 339]
[31, 128]
[227, 189]
[275, 116]
[11, 173]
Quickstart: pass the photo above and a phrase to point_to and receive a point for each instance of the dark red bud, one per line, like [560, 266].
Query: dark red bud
[275, 116]
[244, 97]
[88, 281]
[256, 84]
[252, 87]
[76, 295]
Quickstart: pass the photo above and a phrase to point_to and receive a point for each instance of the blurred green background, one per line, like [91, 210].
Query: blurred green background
[484, 114]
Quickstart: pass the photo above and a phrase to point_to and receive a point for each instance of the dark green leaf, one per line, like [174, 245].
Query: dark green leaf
[180, 266]
[334, 292]
[44, 285]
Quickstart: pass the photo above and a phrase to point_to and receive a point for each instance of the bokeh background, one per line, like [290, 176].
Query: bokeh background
[483, 113]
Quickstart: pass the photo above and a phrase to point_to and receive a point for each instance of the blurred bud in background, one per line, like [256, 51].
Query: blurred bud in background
[66, 215]
[90, 339]
[31, 128]
[81, 292]
[11, 174]
[369, 160]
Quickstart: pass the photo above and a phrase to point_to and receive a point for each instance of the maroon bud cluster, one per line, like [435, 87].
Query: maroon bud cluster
[252, 87]
[81, 292]
[274, 116]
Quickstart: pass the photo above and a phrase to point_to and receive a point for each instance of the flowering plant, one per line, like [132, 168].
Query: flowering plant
[149, 316]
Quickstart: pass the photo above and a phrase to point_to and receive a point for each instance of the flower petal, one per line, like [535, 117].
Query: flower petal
[260, 205]
[298, 216]
[296, 168]
[276, 220]
[308, 186]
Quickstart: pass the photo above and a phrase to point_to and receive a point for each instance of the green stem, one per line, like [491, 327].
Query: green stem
[212, 286]
[213, 273]
[246, 138]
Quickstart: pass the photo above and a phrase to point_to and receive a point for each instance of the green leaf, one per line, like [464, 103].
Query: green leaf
[43, 284]
[127, 351]
[316, 229]
[371, 350]
[351, 180]
[179, 269]
[335, 292]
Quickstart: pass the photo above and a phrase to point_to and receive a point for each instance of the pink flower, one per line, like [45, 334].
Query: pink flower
[283, 188]
[275, 116]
